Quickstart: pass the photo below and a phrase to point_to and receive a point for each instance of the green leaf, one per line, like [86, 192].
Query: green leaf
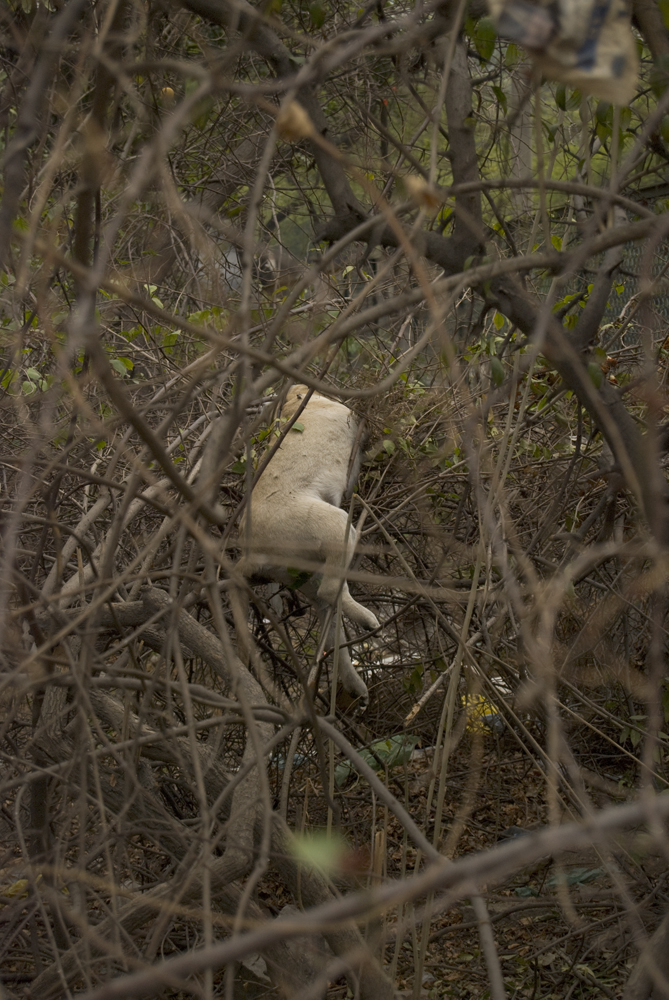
[412, 684]
[561, 96]
[574, 100]
[595, 373]
[575, 876]
[604, 112]
[603, 132]
[485, 36]
[498, 320]
[297, 426]
[317, 14]
[551, 131]
[118, 366]
[664, 128]
[511, 56]
[501, 97]
[388, 446]
[320, 850]
[496, 370]
[200, 316]
[395, 750]
[392, 752]
[659, 75]
[664, 10]
[201, 113]
[298, 577]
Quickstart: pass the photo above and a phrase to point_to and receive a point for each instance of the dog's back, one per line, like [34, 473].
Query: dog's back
[293, 520]
[315, 456]
[293, 515]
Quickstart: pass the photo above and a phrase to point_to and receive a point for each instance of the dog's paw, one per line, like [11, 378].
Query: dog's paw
[356, 690]
[350, 705]
[371, 621]
[359, 613]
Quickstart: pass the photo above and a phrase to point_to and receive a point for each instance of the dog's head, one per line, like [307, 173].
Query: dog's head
[294, 399]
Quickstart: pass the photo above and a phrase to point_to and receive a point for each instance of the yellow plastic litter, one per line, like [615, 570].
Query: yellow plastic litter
[17, 890]
[482, 716]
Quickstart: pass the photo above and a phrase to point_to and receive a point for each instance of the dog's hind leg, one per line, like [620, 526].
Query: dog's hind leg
[357, 612]
[333, 527]
[350, 679]
[349, 676]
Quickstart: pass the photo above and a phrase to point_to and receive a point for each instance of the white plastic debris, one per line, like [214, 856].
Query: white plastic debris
[257, 965]
[583, 43]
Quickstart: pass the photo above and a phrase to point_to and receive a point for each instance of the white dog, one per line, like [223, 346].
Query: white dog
[293, 516]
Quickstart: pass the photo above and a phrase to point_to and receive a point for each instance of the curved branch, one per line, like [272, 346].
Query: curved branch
[649, 18]
[28, 124]
[650, 976]
[456, 877]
